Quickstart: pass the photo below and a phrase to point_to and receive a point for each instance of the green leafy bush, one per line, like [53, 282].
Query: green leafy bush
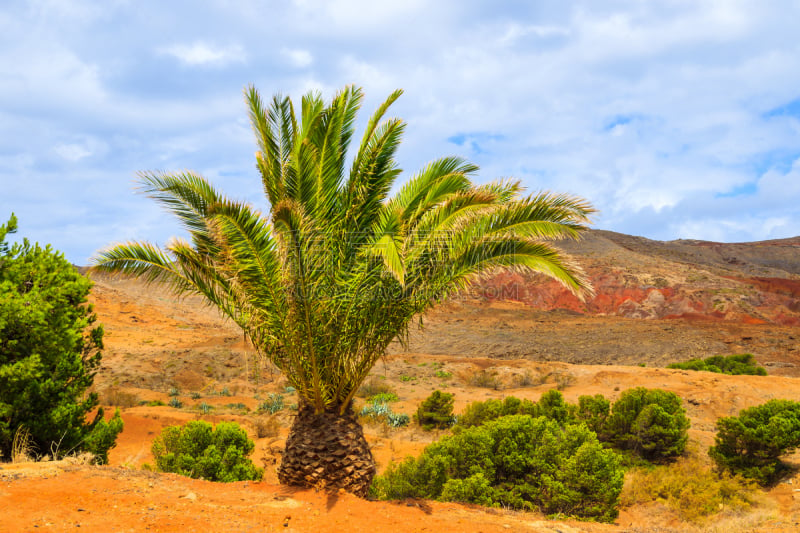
[515, 461]
[752, 443]
[198, 450]
[436, 411]
[550, 405]
[738, 364]
[49, 354]
[593, 411]
[649, 422]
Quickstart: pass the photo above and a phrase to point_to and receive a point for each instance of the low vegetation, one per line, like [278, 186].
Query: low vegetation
[738, 364]
[650, 423]
[518, 462]
[199, 450]
[690, 489]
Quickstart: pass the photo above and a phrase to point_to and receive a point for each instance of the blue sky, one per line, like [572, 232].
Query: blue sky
[676, 119]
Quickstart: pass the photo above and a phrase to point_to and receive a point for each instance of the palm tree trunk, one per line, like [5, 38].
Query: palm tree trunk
[327, 450]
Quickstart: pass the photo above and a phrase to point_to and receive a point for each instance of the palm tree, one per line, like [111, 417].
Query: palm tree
[338, 268]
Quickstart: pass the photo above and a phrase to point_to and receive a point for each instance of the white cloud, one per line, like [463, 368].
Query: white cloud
[72, 152]
[298, 57]
[201, 53]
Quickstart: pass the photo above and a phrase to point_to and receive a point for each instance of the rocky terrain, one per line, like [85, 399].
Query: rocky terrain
[655, 303]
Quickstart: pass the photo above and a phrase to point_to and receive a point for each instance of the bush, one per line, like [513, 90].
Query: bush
[199, 451]
[436, 411]
[593, 411]
[515, 461]
[551, 405]
[649, 422]
[739, 364]
[752, 443]
[49, 354]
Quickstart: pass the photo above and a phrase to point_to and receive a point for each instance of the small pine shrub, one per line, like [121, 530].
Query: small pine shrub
[198, 450]
[593, 411]
[553, 406]
[515, 461]
[436, 411]
[752, 443]
[649, 422]
[737, 364]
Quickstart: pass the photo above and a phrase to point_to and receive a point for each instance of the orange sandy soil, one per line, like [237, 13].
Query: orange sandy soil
[154, 343]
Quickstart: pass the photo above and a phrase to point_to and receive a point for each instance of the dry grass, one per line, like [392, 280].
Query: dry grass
[22, 449]
[691, 489]
[563, 380]
[528, 379]
[113, 396]
[373, 386]
[487, 379]
[267, 426]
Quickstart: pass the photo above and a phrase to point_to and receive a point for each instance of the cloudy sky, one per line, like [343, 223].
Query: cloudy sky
[676, 119]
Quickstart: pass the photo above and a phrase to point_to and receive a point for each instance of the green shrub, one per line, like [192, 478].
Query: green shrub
[649, 422]
[49, 354]
[384, 397]
[593, 411]
[198, 450]
[738, 364]
[752, 443]
[515, 461]
[551, 405]
[436, 411]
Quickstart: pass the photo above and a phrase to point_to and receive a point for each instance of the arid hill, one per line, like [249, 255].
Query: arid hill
[655, 303]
